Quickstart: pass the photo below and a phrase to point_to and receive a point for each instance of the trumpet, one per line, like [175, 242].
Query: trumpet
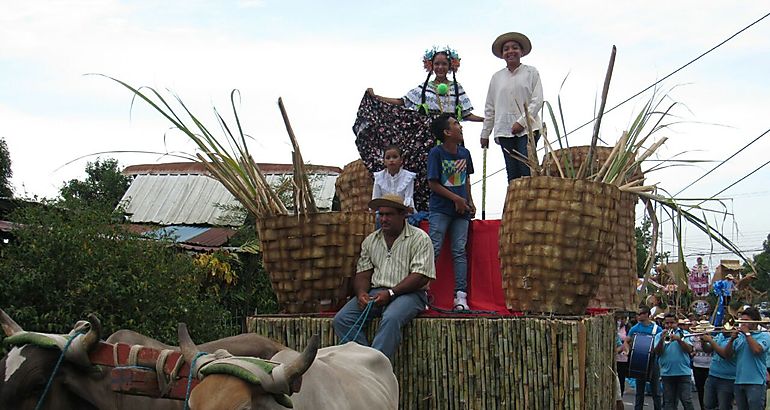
[669, 333]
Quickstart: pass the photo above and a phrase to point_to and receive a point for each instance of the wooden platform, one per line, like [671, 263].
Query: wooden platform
[486, 363]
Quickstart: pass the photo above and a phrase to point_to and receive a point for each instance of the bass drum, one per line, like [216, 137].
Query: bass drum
[640, 358]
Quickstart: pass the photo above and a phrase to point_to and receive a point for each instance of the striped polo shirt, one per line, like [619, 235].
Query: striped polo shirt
[412, 252]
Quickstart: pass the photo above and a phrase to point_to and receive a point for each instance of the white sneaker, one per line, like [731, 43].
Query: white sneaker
[461, 300]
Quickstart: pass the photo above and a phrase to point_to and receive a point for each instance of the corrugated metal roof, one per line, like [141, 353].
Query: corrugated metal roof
[170, 199]
[181, 168]
[178, 200]
[6, 226]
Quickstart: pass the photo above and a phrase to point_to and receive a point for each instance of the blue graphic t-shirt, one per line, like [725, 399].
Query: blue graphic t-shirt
[451, 171]
[750, 367]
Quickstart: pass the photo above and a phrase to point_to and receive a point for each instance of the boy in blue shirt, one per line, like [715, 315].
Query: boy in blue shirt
[645, 326]
[750, 350]
[718, 391]
[450, 204]
[673, 351]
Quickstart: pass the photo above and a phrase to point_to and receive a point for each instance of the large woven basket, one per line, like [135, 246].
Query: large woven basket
[556, 238]
[617, 288]
[354, 187]
[311, 258]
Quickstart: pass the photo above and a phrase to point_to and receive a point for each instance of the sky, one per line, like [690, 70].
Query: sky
[321, 56]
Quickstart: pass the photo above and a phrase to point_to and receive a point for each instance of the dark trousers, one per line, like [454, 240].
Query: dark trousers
[622, 373]
[719, 394]
[677, 389]
[700, 374]
[654, 378]
[514, 167]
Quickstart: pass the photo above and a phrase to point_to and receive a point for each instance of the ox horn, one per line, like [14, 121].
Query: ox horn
[9, 326]
[299, 366]
[189, 350]
[94, 333]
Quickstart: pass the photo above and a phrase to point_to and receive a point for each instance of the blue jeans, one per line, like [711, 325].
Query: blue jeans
[417, 217]
[654, 378]
[677, 389]
[750, 396]
[458, 238]
[718, 394]
[514, 167]
[395, 315]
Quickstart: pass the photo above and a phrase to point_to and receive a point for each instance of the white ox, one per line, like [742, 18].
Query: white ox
[345, 377]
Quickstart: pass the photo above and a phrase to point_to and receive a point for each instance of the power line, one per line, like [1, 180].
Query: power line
[664, 78]
[723, 162]
[734, 183]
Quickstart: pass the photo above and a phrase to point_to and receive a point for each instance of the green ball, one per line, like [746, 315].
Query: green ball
[442, 89]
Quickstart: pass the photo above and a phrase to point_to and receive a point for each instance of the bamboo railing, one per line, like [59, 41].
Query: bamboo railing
[486, 363]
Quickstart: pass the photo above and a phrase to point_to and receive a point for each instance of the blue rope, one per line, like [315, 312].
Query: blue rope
[55, 370]
[361, 319]
[189, 379]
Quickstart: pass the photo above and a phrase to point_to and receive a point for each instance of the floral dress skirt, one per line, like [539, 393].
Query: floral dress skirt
[379, 124]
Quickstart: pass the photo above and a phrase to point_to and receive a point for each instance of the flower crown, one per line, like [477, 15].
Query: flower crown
[454, 58]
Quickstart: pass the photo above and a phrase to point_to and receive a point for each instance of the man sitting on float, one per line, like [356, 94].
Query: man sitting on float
[393, 272]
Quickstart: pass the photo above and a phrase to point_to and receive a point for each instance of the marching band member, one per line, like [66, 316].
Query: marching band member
[721, 379]
[673, 352]
[645, 326]
[750, 350]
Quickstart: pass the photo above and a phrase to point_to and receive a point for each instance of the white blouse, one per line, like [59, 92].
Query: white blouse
[401, 184]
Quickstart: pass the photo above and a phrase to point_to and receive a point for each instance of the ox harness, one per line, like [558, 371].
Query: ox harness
[140, 370]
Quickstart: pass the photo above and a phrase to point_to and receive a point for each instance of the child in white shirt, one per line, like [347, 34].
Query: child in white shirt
[394, 179]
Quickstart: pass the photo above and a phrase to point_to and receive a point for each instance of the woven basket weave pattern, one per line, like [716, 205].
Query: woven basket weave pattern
[556, 238]
[311, 258]
[617, 289]
[354, 187]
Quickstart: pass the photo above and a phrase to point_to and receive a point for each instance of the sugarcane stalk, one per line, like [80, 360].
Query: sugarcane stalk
[597, 124]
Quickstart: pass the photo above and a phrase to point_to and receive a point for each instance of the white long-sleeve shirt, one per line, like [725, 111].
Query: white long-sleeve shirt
[507, 94]
[402, 184]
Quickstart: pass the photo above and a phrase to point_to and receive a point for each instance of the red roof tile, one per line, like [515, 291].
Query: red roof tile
[212, 237]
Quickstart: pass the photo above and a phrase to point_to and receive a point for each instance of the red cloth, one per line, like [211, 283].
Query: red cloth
[485, 283]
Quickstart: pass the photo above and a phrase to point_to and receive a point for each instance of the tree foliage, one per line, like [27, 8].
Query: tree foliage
[5, 170]
[62, 265]
[643, 234]
[762, 264]
[103, 187]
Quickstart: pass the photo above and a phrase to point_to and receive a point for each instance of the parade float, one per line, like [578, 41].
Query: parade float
[542, 281]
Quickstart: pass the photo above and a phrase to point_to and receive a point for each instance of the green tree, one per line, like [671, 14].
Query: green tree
[643, 234]
[103, 187]
[5, 170]
[63, 264]
[762, 264]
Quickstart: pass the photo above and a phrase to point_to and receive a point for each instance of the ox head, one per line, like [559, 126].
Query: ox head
[243, 382]
[26, 369]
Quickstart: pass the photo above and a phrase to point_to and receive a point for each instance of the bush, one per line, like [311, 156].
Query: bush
[62, 265]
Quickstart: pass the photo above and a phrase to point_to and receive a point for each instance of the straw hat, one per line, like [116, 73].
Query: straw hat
[388, 200]
[497, 45]
[660, 315]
